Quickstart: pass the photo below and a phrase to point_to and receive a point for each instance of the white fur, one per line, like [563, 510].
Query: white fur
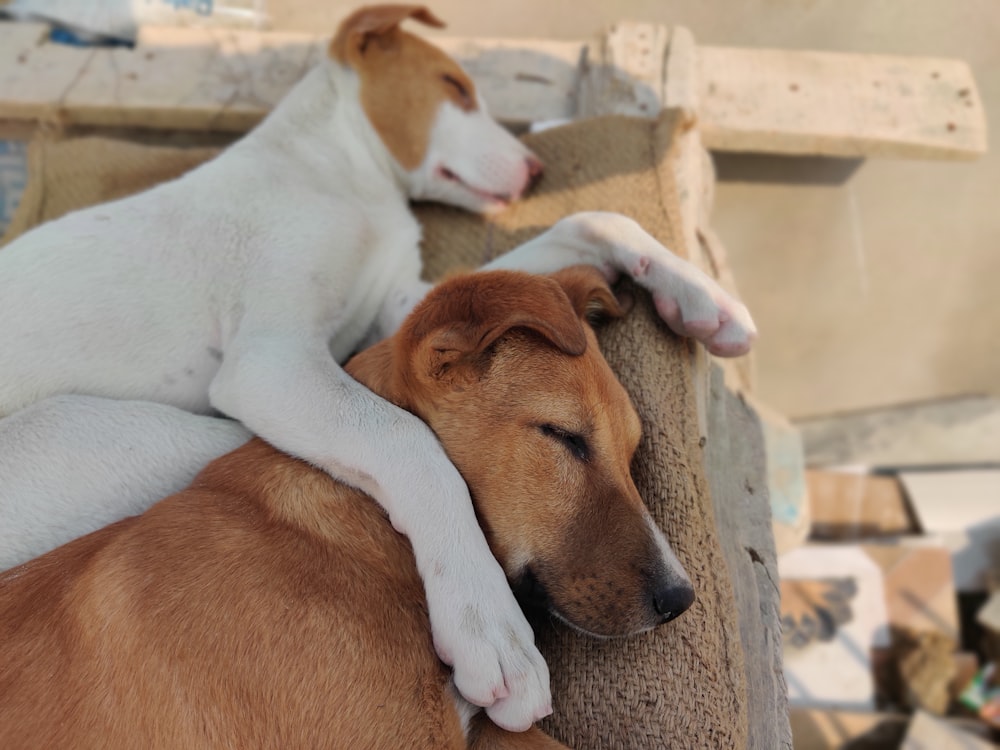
[73, 464]
[466, 711]
[230, 288]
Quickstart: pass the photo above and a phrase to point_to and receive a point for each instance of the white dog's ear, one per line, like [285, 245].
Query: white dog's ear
[454, 327]
[365, 24]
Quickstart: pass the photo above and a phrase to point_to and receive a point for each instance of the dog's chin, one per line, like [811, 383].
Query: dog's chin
[475, 201]
[531, 593]
[444, 186]
[535, 599]
[452, 195]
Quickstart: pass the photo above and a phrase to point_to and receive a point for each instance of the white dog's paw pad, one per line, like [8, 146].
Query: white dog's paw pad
[496, 664]
[512, 683]
[703, 330]
[529, 699]
[506, 715]
[702, 310]
[733, 339]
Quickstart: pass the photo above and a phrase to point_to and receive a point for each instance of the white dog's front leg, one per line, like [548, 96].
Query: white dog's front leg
[292, 393]
[689, 301]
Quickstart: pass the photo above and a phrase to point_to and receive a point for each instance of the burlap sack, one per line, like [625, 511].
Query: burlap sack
[681, 686]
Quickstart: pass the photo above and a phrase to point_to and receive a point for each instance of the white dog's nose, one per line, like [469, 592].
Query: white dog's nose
[533, 169]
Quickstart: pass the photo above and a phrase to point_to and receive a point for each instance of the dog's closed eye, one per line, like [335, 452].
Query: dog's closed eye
[574, 442]
[464, 97]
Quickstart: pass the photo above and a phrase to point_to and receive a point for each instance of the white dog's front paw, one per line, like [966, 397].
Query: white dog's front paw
[484, 636]
[694, 305]
[689, 300]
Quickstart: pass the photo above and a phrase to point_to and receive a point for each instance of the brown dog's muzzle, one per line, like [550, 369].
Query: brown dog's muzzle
[611, 578]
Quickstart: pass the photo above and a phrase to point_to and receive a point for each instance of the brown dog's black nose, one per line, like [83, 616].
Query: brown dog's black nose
[672, 600]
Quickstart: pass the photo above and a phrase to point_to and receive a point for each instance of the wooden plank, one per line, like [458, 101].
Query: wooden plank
[786, 481]
[695, 178]
[190, 78]
[735, 467]
[692, 181]
[927, 731]
[681, 73]
[623, 73]
[747, 100]
[828, 729]
[952, 432]
[695, 182]
[625, 76]
[919, 587]
[829, 664]
[961, 508]
[820, 729]
[848, 506]
[837, 104]
[34, 75]
[522, 80]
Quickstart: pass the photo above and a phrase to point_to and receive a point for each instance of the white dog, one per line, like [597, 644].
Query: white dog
[229, 289]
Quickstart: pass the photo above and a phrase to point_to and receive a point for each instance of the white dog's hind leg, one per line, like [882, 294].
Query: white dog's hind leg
[691, 302]
[70, 465]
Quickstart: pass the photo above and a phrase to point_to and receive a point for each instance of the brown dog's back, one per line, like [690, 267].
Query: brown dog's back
[209, 583]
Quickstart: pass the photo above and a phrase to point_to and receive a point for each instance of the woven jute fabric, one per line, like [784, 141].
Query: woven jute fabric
[64, 175]
[683, 685]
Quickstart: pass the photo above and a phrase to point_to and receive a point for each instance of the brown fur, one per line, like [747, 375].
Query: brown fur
[403, 78]
[269, 605]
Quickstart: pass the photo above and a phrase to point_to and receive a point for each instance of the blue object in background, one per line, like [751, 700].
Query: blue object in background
[201, 7]
[63, 35]
[13, 178]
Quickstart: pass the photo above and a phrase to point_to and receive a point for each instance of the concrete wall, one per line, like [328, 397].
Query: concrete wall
[873, 282]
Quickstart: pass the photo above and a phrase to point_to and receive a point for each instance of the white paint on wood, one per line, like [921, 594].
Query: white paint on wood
[522, 80]
[927, 732]
[35, 75]
[838, 673]
[963, 508]
[837, 104]
[948, 432]
[746, 99]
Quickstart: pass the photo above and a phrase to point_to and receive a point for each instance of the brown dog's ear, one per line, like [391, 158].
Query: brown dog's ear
[590, 294]
[463, 316]
[359, 28]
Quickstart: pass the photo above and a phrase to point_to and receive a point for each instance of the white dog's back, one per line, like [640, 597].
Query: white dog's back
[177, 267]
[149, 311]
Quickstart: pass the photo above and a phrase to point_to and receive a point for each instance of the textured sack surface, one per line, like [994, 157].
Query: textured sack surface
[66, 175]
[682, 685]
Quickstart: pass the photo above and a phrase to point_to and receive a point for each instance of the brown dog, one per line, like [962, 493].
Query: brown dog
[270, 606]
